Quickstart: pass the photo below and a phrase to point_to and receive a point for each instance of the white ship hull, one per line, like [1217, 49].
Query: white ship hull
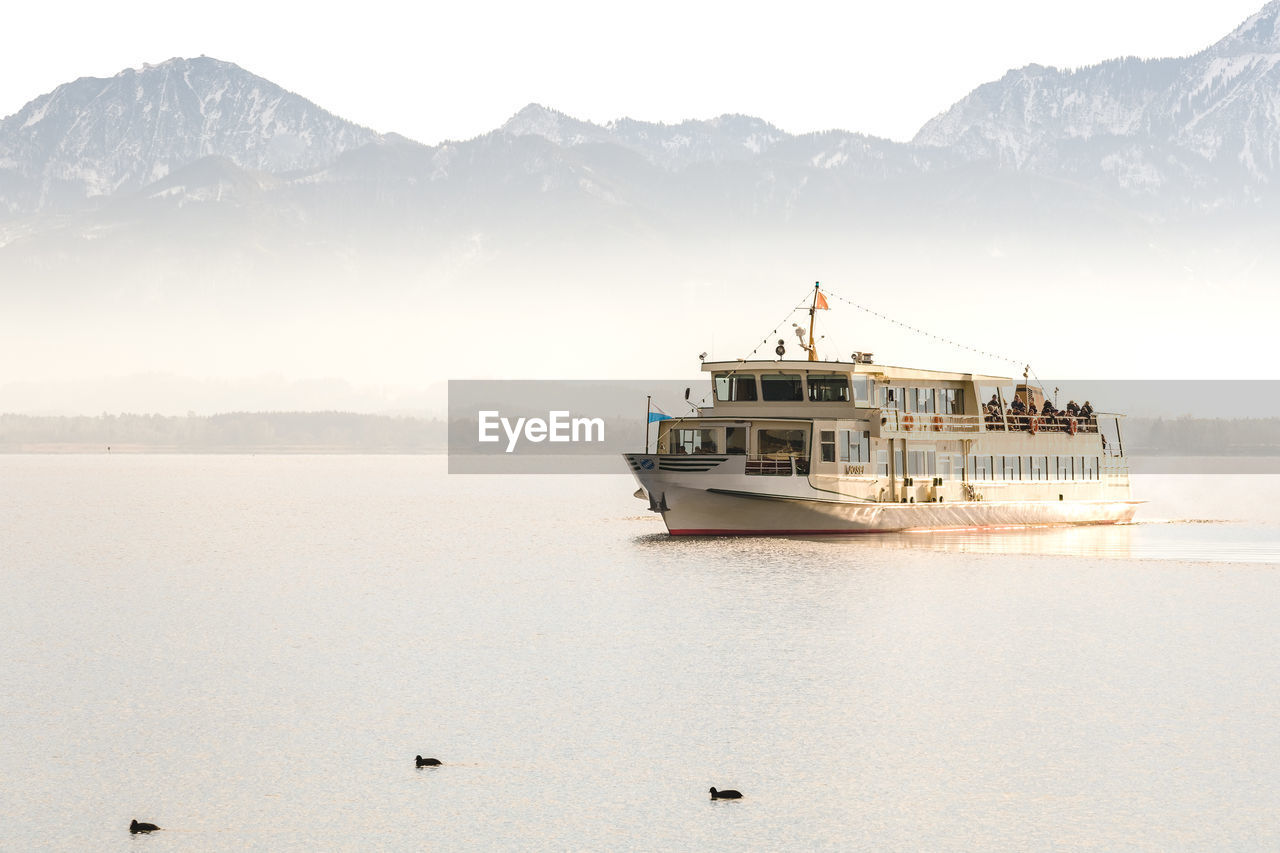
[707, 503]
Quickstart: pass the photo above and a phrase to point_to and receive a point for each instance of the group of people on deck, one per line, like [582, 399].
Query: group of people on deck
[1022, 414]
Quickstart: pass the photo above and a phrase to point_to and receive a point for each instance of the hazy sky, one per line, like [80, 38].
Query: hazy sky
[454, 70]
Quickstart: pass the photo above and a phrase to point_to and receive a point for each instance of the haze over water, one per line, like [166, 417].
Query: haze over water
[249, 651]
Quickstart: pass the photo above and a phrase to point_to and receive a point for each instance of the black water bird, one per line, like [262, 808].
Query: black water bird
[419, 761]
[726, 795]
[136, 827]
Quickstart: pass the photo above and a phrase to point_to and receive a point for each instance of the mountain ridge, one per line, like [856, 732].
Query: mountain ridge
[1196, 133]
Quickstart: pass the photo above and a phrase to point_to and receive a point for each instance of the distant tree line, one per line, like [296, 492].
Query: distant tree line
[1187, 436]
[235, 432]
[347, 432]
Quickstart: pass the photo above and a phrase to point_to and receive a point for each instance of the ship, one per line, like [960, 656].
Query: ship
[818, 447]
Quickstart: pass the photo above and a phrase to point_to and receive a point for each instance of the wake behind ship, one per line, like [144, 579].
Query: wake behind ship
[828, 447]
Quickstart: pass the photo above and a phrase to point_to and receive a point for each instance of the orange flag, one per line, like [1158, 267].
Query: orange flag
[821, 302]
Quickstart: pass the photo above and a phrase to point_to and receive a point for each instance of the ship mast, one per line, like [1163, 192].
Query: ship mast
[813, 309]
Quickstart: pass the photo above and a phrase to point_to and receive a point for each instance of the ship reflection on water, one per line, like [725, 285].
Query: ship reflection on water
[1197, 540]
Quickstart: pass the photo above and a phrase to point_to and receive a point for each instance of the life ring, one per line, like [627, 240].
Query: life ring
[1034, 425]
[937, 423]
[908, 422]
[1072, 426]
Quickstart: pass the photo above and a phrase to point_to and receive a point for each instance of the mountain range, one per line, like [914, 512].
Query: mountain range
[137, 207]
[1191, 134]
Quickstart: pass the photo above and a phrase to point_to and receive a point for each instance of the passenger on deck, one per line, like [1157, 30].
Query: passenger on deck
[1086, 411]
[1073, 409]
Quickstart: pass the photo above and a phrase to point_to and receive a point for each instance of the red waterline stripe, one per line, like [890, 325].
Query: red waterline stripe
[697, 531]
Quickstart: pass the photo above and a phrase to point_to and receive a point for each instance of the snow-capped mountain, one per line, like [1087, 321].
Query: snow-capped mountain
[1160, 138]
[96, 137]
[1204, 127]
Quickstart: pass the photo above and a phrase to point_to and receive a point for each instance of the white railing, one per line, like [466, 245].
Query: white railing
[895, 420]
[1040, 423]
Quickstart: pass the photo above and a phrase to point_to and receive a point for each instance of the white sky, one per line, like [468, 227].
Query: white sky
[455, 70]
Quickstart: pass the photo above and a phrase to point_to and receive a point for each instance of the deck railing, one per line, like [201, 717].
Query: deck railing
[773, 466]
[895, 420]
[1040, 423]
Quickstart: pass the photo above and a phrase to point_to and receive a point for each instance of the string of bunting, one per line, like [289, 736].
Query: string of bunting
[911, 328]
[769, 337]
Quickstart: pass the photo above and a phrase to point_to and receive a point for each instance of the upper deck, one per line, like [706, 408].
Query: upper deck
[897, 399]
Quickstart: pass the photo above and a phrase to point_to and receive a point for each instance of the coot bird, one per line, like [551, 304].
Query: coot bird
[136, 827]
[726, 795]
[426, 762]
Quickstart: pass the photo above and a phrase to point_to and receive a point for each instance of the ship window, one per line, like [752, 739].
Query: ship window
[980, 468]
[893, 398]
[781, 387]
[1011, 468]
[950, 401]
[780, 442]
[921, 463]
[944, 466]
[827, 442]
[854, 446]
[882, 463]
[735, 388]
[926, 402]
[861, 389]
[735, 440]
[694, 441]
[828, 389]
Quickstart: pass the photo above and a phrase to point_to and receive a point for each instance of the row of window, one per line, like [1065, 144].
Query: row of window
[920, 463]
[849, 445]
[1013, 468]
[854, 446]
[769, 442]
[792, 388]
[926, 401]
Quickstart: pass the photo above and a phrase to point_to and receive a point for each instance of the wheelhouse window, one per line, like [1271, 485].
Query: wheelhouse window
[828, 389]
[861, 387]
[735, 388]
[694, 441]
[781, 387]
[925, 402]
[779, 443]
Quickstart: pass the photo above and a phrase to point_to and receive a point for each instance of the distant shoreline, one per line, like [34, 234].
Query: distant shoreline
[337, 433]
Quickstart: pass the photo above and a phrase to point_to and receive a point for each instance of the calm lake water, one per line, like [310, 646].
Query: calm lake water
[250, 650]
